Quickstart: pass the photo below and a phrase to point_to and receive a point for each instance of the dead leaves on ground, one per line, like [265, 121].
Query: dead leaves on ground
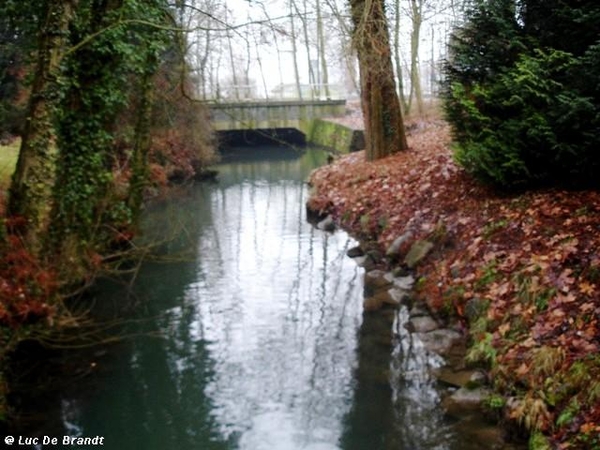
[534, 257]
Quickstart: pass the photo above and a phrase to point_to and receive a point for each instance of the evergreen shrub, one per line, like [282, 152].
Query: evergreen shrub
[525, 113]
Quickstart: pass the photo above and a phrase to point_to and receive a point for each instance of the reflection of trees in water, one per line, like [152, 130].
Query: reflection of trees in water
[258, 311]
[159, 400]
[288, 361]
[419, 417]
[396, 404]
[369, 423]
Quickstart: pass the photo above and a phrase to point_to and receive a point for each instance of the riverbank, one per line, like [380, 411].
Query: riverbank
[519, 271]
[32, 291]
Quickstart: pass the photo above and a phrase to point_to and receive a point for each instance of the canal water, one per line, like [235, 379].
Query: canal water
[245, 332]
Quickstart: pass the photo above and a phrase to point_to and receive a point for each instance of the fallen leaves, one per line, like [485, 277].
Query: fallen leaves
[534, 256]
[586, 288]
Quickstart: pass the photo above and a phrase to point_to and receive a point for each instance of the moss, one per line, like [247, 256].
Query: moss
[331, 135]
[8, 161]
[537, 441]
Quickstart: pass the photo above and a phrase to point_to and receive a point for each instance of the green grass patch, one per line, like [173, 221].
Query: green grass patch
[491, 228]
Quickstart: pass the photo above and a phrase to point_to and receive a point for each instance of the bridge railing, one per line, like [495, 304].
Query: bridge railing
[248, 93]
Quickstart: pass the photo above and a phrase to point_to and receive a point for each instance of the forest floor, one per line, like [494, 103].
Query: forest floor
[521, 271]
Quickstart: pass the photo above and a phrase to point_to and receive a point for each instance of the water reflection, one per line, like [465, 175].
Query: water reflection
[274, 303]
[370, 422]
[419, 420]
[279, 319]
[263, 343]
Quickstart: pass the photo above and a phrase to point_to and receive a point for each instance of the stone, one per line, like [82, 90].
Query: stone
[423, 324]
[372, 304]
[361, 261]
[355, 252]
[375, 280]
[399, 295]
[465, 399]
[418, 310]
[478, 378]
[368, 263]
[455, 378]
[378, 300]
[327, 224]
[400, 271]
[375, 255]
[417, 253]
[440, 341]
[394, 249]
[406, 282]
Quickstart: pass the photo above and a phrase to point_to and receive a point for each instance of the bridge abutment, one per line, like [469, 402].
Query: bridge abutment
[291, 121]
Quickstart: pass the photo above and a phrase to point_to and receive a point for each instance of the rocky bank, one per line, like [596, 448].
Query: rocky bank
[510, 280]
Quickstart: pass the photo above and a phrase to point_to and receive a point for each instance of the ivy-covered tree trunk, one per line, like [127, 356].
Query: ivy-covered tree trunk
[384, 128]
[92, 98]
[31, 189]
[103, 80]
[142, 142]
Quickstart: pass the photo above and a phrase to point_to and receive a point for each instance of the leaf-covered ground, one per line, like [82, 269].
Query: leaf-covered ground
[520, 271]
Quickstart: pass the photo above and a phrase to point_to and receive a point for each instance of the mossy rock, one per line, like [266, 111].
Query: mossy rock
[418, 251]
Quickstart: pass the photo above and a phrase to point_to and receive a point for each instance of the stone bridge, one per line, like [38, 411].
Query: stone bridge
[293, 114]
[273, 114]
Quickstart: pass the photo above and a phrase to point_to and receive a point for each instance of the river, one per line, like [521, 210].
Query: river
[246, 332]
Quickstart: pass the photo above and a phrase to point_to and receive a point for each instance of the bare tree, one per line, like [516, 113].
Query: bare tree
[295, 49]
[324, 78]
[397, 57]
[416, 17]
[346, 51]
[233, 67]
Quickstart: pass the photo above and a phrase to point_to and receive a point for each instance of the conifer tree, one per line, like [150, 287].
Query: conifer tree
[521, 92]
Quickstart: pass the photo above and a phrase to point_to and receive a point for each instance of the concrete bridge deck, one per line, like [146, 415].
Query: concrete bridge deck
[272, 114]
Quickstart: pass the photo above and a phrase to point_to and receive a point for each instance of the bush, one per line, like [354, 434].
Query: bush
[528, 116]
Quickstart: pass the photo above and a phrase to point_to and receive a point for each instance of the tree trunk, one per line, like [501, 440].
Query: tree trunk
[416, 93]
[295, 49]
[384, 128]
[397, 58]
[321, 47]
[260, 65]
[83, 188]
[303, 20]
[204, 64]
[31, 189]
[233, 65]
[141, 145]
[347, 57]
